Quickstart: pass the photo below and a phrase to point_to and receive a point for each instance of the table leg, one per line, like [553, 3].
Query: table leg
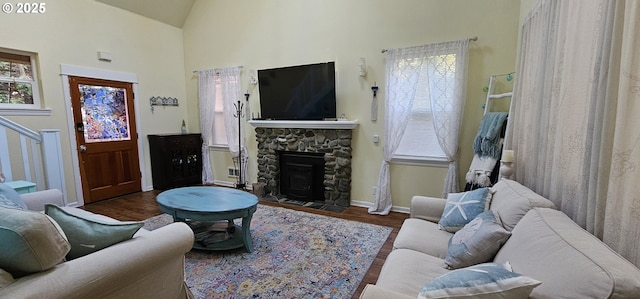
[246, 232]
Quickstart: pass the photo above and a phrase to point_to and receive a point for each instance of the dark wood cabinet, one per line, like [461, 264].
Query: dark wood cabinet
[176, 160]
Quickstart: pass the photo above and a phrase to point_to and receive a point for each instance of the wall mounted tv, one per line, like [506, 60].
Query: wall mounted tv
[303, 92]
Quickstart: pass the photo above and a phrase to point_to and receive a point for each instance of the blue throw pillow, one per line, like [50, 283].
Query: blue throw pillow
[488, 280]
[10, 198]
[461, 208]
[89, 235]
[477, 242]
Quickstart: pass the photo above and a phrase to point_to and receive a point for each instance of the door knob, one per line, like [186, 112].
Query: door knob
[83, 148]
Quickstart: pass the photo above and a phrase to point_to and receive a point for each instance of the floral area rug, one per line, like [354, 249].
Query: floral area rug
[295, 255]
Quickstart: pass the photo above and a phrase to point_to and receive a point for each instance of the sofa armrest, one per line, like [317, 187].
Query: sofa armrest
[148, 266]
[36, 200]
[372, 291]
[427, 208]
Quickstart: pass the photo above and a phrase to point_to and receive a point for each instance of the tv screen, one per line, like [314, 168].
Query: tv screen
[303, 92]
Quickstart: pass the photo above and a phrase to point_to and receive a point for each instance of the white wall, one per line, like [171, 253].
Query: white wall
[71, 32]
[275, 33]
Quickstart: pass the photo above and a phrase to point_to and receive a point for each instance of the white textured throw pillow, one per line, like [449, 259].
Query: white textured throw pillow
[488, 280]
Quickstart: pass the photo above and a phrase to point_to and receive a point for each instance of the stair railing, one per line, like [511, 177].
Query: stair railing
[41, 156]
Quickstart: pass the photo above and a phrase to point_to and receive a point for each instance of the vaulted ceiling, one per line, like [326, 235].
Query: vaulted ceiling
[172, 12]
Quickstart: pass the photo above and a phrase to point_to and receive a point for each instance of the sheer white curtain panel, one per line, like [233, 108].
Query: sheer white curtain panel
[207, 101]
[232, 97]
[405, 69]
[447, 90]
[574, 122]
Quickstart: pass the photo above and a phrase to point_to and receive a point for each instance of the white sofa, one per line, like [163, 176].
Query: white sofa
[545, 244]
[150, 265]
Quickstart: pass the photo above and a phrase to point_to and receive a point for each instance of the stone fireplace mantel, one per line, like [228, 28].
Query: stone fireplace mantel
[330, 138]
[306, 124]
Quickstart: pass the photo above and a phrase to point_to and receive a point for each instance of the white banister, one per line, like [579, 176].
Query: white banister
[35, 153]
[46, 156]
[52, 157]
[20, 129]
[25, 158]
[5, 159]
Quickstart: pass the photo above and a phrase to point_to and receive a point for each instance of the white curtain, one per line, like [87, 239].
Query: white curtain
[232, 97]
[446, 79]
[574, 117]
[405, 69]
[207, 100]
[622, 213]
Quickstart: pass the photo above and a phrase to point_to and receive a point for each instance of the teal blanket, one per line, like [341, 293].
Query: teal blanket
[487, 141]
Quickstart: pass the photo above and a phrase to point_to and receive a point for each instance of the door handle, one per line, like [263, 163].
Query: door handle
[83, 148]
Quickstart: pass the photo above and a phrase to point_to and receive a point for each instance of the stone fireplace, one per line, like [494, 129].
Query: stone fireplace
[331, 144]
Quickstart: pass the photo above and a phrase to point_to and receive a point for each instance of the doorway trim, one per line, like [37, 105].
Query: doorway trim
[67, 70]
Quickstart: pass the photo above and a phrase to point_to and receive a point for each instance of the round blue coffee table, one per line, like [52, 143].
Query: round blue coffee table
[206, 209]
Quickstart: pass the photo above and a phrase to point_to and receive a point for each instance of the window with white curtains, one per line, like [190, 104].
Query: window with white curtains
[425, 88]
[436, 74]
[219, 136]
[217, 90]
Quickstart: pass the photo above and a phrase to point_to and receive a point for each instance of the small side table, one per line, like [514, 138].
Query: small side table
[22, 187]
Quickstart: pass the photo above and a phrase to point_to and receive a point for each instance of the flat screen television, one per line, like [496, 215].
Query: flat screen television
[302, 92]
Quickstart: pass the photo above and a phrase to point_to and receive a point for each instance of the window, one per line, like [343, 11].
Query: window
[436, 82]
[219, 127]
[18, 81]
[226, 85]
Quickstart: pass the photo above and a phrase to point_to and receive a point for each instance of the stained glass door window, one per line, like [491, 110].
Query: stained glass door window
[105, 115]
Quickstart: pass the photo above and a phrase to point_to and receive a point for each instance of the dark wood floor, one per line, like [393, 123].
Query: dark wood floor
[140, 206]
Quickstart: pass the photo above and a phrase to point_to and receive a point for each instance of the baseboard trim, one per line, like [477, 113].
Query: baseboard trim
[248, 187]
[366, 204]
[357, 203]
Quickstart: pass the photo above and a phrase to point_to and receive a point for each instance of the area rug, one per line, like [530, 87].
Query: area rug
[296, 255]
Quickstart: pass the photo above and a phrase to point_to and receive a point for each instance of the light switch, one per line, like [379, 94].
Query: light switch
[376, 138]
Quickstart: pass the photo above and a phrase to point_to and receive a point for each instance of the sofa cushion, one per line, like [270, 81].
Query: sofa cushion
[462, 207]
[89, 235]
[404, 271]
[488, 280]
[570, 262]
[423, 236]
[477, 242]
[31, 242]
[512, 201]
[10, 198]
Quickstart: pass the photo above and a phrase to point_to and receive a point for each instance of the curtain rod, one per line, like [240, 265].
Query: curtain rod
[473, 39]
[197, 71]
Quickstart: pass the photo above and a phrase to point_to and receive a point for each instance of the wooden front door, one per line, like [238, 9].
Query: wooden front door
[106, 136]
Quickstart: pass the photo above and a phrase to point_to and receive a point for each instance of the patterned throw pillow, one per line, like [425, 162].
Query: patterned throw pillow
[488, 280]
[9, 198]
[90, 235]
[477, 242]
[461, 208]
